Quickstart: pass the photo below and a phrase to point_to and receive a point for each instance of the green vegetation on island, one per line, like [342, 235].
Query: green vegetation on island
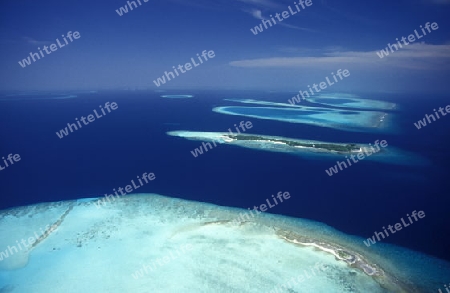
[325, 146]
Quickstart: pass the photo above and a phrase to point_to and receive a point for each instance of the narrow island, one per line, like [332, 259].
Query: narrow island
[274, 143]
[303, 147]
[177, 96]
[332, 147]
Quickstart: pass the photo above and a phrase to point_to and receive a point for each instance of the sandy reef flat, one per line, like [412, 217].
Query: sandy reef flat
[96, 249]
[351, 101]
[348, 120]
[339, 100]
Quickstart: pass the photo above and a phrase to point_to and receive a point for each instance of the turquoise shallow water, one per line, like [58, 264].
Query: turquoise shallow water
[391, 155]
[352, 101]
[154, 99]
[253, 255]
[263, 246]
[325, 117]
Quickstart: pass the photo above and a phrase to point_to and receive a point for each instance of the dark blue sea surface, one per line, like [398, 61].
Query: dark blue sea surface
[116, 148]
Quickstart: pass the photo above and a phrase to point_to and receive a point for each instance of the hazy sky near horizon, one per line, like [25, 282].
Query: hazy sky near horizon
[134, 49]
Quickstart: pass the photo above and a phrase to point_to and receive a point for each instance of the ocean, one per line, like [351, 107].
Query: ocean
[131, 140]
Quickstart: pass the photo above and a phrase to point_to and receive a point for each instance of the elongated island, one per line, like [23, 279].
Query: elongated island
[318, 149]
[274, 143]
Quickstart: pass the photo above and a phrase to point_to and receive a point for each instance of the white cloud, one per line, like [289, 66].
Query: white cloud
[416, 56]
[32, 41]
[256, 13]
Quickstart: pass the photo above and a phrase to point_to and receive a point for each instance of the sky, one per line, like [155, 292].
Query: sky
[132, 50]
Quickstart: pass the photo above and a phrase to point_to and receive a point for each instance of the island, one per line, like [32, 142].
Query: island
[332, 147]
[306, 148]
[177, 96]
[274, 143]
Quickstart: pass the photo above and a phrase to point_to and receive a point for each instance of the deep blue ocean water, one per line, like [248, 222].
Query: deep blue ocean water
[111, 151]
